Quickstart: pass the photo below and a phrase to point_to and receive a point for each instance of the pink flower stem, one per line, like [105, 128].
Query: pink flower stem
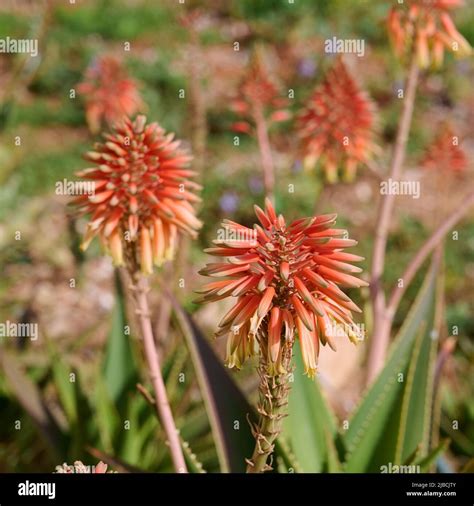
[422, 254]
[382, 325]
[265, 152]
[151, 353]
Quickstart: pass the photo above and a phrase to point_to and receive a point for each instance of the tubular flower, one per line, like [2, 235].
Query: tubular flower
[142, 195]
[258, 96]
[109, 93]
[336, 127]
[427, 25]
[286, 280]
[444, 153]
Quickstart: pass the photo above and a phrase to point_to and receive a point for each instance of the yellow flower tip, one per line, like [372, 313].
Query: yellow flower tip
[350, 170]
[233, 362]
[116, 249]
[309, 163]
[169, 254]
[146, 271]
[146, 262]
[158, 262]
[331, 173]
[311, 372]
[276, 369]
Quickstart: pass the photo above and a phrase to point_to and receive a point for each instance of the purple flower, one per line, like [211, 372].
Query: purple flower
[255, 185]
[306, 68]
[229, 202]
[297, 166]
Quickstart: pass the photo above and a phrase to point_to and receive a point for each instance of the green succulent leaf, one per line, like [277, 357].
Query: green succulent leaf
[119, 368]
[426, 462]
[30, 398]
[107, 416]
[226, 406]
[393, 418]
[310, 423]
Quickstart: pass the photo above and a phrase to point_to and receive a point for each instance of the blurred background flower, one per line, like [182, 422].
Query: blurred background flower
[109, 93]
[336, 127]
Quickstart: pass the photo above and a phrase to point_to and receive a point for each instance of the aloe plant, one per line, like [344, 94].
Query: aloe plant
[393, 418]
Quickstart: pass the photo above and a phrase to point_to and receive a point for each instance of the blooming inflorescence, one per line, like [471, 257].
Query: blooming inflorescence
[286, 278]
[142, 193]
[336, 126]
[109, 93]
[444, 153]
[426, 27]
[258, 96]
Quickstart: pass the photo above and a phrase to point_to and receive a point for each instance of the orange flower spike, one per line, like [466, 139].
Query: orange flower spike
[257, 92]
[139, 203]
[445, 153]
[290, 284]
[428, 26]
[109, 93]
[337, 126]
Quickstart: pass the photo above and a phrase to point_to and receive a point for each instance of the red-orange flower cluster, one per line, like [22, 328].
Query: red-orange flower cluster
[285, 278]
[336, 126]
[141, 193]
[109, 93]
[428, 25]
[258, 97]
[444, 153]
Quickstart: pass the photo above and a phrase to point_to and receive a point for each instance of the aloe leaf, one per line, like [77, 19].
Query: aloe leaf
[413, 457]
[226, 406]
[309, 420]
[137, 432]
[65, 388]
[29, 397]
[285, 458]
[107, 417]
[192, 461]
[426, 462]
[379, 430]
[333, 463]
[74, 403]
[119, 369]
[468, 467]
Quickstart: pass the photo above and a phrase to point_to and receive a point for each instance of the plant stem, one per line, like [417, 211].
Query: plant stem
[140, 290]
[265, 152]
[381, 331]
[198, 119]
[274, 391]
[418, 260]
